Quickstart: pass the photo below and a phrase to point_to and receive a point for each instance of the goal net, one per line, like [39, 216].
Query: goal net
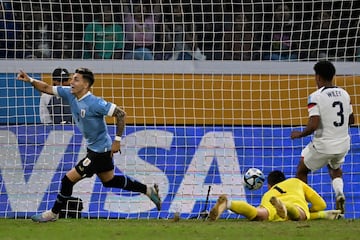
[211, 88]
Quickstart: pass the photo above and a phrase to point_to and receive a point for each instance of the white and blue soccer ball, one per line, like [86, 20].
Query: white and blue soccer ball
[254, 179]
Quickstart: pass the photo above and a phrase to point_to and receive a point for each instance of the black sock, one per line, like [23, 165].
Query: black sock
[64, 195]
[126, 184]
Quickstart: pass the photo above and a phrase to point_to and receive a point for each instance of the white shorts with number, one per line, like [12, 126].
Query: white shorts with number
[315, 160]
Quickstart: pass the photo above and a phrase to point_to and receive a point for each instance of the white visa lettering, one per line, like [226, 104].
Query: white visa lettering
[26, 195]
[133, 166]
[219, 146]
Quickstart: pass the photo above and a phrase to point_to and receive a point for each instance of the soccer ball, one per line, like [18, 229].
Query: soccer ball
[254, 179]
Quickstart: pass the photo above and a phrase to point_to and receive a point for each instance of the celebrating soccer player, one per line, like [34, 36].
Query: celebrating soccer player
[88, 112]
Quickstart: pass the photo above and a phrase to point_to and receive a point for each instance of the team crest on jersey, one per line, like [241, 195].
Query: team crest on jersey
[102, 102]
[82, 113]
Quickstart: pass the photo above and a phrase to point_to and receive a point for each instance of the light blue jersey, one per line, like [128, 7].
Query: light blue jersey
[89, 115]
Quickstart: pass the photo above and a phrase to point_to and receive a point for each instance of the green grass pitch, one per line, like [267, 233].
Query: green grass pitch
[88, 229]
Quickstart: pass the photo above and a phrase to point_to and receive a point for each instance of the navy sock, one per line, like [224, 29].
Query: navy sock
[64, 195]
[126, 184]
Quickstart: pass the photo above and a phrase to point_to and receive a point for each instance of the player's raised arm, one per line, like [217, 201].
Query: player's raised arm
[39, 85]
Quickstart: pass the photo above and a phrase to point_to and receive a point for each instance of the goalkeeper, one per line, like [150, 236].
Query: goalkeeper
[88, 112]
[286, 199]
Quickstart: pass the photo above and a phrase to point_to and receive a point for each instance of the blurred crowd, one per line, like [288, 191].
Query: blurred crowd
[181, 29]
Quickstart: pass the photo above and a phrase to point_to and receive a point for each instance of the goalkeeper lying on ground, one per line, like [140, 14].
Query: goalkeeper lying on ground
[286, 199]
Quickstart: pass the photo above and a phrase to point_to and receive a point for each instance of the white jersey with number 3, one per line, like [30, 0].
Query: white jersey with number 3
[333, 106]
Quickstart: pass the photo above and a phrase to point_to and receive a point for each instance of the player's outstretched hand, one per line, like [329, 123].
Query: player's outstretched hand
[295, 134]
[23, 76]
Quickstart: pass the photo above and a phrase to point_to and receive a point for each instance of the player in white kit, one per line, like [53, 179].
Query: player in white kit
[330, 114]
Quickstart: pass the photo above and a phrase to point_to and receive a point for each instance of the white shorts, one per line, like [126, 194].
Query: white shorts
[315, 160]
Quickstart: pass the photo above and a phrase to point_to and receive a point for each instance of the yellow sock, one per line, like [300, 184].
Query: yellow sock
[243, 208]
[317, 215]
[292, 211]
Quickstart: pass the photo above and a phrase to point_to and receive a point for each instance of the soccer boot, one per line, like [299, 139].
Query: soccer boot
[280, 207]
[47, 216]
[219, 208]
[340, 203]
[332, 214]
[154, 196]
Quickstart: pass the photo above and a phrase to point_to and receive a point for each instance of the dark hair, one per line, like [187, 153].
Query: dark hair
[60, 75]
[325, 69]
[275, 177]
[87, 74]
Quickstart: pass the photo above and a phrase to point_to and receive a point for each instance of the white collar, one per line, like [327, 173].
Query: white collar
[87, 94]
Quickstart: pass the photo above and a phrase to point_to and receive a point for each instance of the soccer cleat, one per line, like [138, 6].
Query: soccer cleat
[219, 208]
[332, 214]
[340, 203]
[279, 206]
[154, 196]
[47, 216]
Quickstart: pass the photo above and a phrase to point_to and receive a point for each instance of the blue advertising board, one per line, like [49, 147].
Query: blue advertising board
[183, 160]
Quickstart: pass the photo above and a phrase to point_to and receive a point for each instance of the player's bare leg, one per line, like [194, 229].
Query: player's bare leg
[302, 171]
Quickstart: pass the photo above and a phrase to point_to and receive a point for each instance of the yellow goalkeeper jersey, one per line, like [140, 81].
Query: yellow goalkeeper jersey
[296, 192]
